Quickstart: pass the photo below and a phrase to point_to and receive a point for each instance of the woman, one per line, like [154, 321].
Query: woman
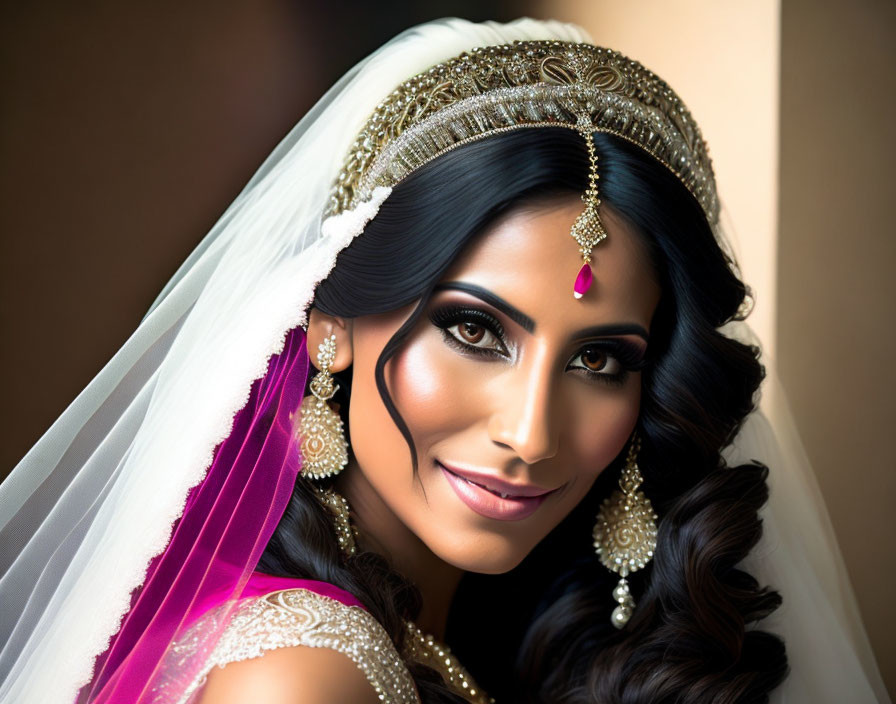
[516, 288]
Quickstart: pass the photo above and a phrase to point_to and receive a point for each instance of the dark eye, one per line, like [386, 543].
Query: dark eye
[471, 332]
[470, 329]
[597, 360]
[475, 335]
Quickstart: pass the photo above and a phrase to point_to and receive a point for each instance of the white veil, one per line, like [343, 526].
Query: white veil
[93, 502]
[828, 650]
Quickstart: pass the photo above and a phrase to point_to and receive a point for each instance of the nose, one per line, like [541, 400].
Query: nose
[523, 417]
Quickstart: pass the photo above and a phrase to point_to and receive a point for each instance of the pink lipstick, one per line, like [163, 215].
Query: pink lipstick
[492, 497]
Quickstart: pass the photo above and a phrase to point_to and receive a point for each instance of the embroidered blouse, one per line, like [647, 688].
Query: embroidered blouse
[283, 619]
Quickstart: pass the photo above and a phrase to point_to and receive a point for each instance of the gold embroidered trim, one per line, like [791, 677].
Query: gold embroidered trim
[300, 617]
[525, 84]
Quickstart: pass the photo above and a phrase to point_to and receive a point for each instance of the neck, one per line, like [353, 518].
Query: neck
[381, 531]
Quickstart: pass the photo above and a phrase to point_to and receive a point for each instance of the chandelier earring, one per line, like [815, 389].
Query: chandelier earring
[625, 532]
[322, 440]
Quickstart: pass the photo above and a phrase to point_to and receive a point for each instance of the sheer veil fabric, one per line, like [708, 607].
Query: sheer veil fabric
[152, 475]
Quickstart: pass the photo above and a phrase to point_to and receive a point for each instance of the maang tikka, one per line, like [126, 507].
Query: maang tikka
[588, 230]
[625, 533]
[322, 441]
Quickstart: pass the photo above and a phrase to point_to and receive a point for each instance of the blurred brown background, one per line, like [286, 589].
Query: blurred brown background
[127, 128]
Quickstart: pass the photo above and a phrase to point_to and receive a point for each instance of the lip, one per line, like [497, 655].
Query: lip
[495, 484]
[482, 494]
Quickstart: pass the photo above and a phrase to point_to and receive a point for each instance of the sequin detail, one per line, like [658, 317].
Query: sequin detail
[300, 617]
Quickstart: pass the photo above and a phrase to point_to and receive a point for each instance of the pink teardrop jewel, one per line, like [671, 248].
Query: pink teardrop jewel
[583, 281]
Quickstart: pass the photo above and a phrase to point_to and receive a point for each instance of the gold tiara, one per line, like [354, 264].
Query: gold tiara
[525, 84]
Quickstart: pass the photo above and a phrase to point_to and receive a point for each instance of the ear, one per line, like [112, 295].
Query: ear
[320, 327]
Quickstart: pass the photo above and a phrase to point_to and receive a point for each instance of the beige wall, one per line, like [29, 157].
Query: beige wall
[837, 256]
[823, 74]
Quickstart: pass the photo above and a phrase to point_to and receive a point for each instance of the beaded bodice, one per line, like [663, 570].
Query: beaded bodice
[294, 617]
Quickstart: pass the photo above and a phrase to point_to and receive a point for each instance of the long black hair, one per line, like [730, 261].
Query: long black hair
[541, 633]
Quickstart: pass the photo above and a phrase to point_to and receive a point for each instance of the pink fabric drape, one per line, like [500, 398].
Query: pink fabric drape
[216, 544]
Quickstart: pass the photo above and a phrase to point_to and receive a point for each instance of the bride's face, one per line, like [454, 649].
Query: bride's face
[516, 394]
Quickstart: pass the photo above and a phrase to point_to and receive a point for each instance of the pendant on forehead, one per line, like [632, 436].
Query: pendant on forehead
[588, 230]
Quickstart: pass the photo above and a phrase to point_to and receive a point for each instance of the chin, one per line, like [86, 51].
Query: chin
[483, 557]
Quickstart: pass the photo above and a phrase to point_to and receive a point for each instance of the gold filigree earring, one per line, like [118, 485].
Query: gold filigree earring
[625, 532]
[323, 445]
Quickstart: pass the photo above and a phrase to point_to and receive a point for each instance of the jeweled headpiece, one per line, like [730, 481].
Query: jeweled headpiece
[528, 84]
[588, 230]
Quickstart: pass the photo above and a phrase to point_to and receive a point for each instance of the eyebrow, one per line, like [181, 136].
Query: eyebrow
[612, 330]
[516, 315]
[525, 322]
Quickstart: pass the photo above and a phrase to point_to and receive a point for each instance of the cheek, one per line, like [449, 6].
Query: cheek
[422, 382]
[600, 433]
[376, 440]
[436, 390]
[419, 381]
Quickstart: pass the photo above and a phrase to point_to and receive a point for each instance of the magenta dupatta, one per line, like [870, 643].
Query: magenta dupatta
[215, 546]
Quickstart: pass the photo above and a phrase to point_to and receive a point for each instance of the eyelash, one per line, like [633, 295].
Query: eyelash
[627, 355]
[444, 318]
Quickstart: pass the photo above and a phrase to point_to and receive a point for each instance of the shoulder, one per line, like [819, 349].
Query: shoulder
[299, 645]
[299, 674]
